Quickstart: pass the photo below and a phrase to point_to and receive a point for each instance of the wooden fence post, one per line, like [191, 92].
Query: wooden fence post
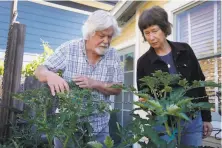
[12, 75]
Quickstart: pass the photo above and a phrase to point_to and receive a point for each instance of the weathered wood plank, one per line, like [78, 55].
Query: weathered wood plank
[12, 72]
[18, 64]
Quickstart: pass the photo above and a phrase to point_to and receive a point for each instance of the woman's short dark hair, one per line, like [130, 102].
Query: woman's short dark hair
[155, 16]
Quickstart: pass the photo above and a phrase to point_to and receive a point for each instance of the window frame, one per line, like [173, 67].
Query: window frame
[190, 6]
[124, 51]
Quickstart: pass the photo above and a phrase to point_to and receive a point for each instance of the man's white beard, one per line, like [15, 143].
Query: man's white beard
[101, 51]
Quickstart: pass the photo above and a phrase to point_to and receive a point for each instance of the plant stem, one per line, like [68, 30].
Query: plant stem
[164, 95]
[45, 121]
[167, 128]
[154, 93]
[179, 131]
[49, 140]
[173, 125]
[45, 114]
[75, 141]
[66, 142]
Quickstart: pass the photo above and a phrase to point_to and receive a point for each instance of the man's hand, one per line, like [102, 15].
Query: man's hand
[56, 83]
[207, 129]
[84, 82]
[103, 87]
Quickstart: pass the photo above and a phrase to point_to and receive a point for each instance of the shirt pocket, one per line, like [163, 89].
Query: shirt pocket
[110, 74]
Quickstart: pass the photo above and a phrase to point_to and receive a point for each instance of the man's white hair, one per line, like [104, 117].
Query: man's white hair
[98, 21]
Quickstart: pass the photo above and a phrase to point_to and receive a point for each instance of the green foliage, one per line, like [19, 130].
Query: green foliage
[165, 97]
[23, 137]
[95, 144]
[108, 142]
[74, 108]
[9, 144]
[29, 69]
[1, 68]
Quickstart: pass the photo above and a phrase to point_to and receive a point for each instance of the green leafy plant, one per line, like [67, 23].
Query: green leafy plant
[1, 68]
[23, 137]
[70, 125]
[165, 102]
[29, 69]
[108, 142]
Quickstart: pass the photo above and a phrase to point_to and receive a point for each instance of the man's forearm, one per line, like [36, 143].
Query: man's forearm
[41, 73]
[106, 89]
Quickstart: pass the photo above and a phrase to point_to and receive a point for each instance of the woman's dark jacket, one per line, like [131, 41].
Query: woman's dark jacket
[186, 64]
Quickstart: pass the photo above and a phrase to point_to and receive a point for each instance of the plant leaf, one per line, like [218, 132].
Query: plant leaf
[183, 116]
[109, 142]
[95, 144]
[145, 96]
[173, 109]
[203, 105]
[150, 133]
[184, 101]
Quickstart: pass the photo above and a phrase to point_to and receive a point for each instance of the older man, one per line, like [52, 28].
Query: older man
[90, 63]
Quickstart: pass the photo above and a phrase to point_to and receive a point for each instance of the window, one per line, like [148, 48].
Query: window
[123, 117]
[123, 101]
[200, 27]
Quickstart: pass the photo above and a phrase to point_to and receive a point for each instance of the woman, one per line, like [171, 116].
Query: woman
[175, 58]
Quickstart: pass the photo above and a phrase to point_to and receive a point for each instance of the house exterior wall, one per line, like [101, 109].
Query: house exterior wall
[53, 25]
[130, 30]
[127, 33]
[47, 21]
[5, 8]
